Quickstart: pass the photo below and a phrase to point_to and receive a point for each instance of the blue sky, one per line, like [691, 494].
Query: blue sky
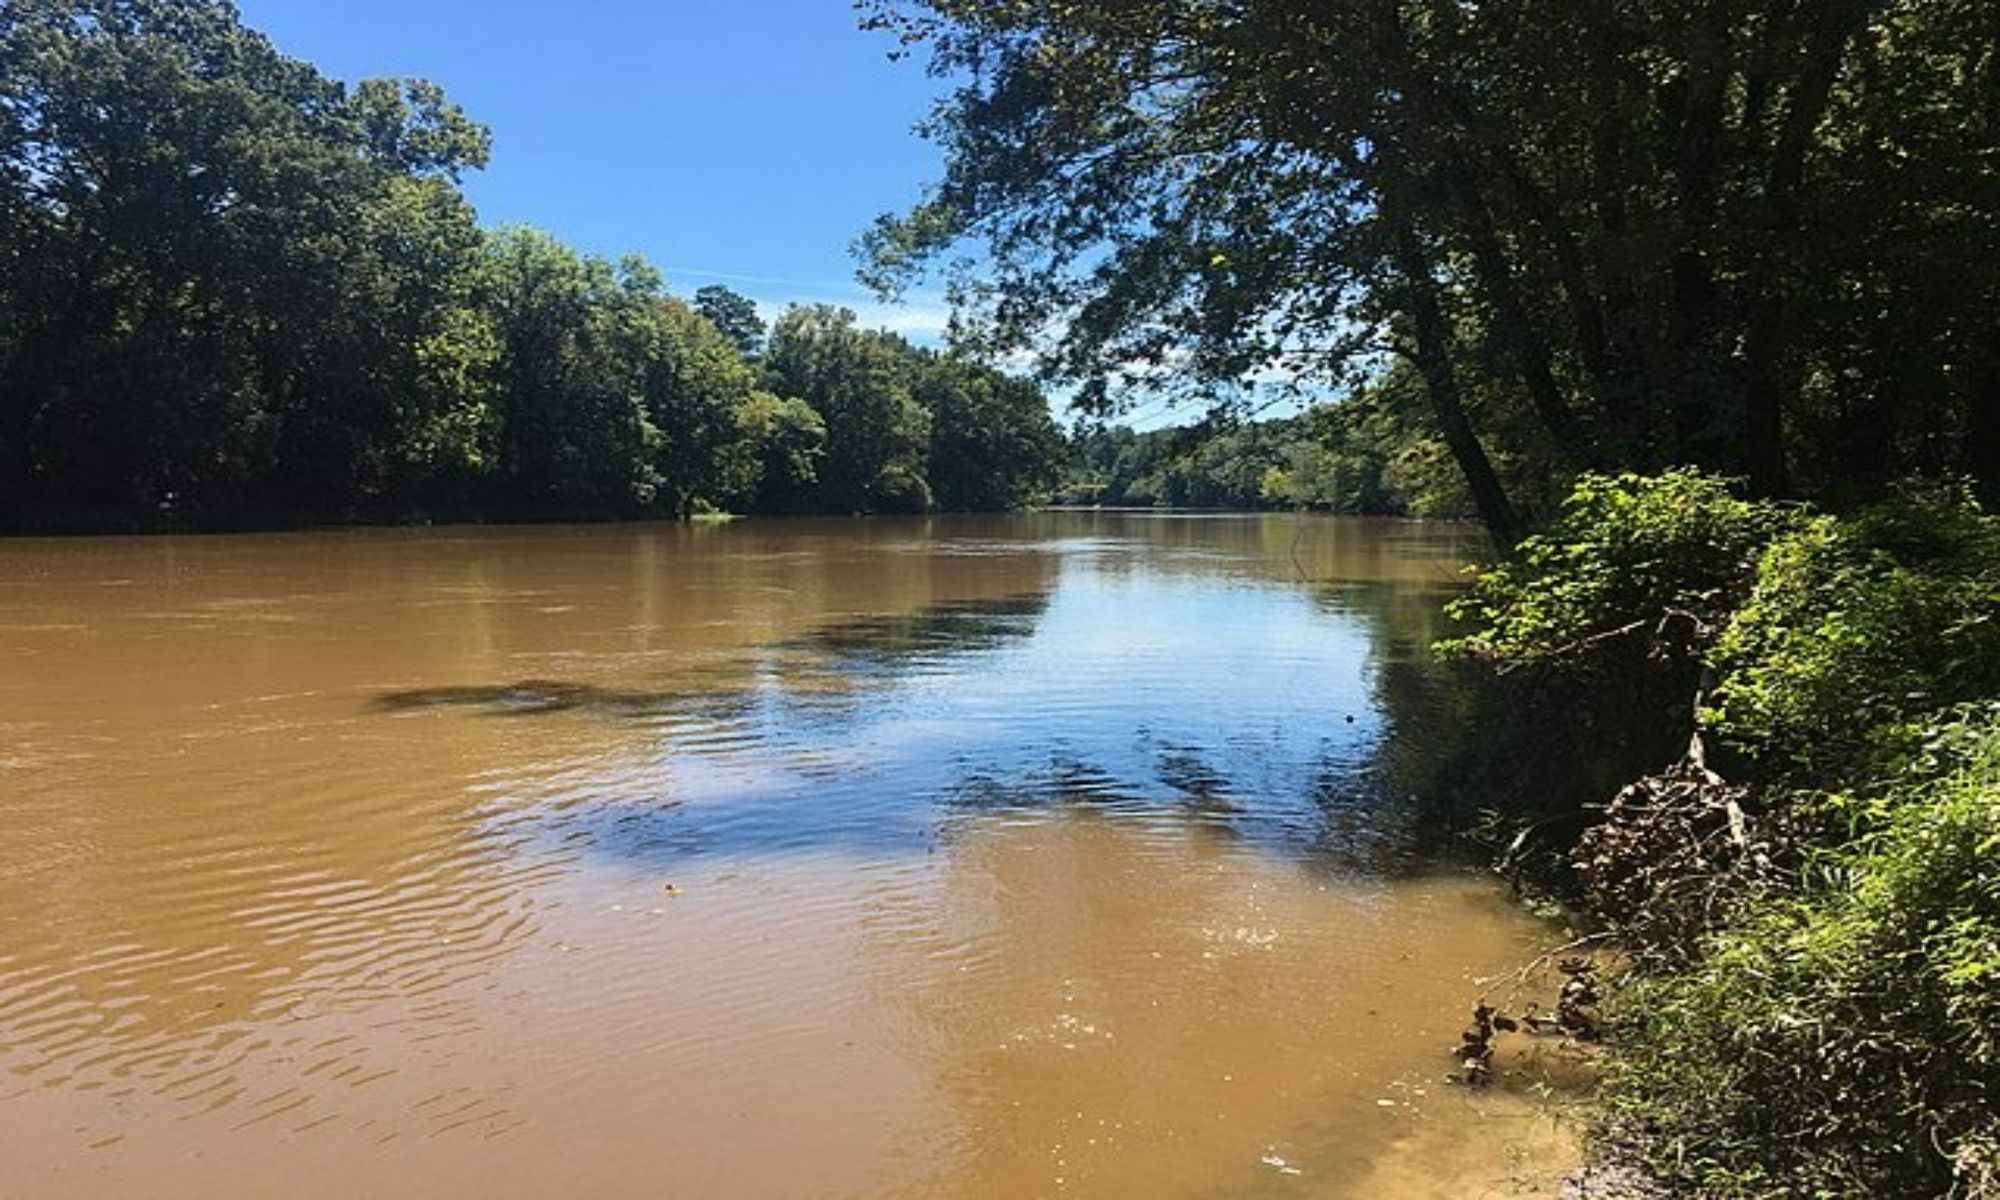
[732, 143]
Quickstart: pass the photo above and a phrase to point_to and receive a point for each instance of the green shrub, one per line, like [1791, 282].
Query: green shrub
[1612, 609]
[1855, 632]
[1625, 553]
[1832, 640]
[1845, 1042]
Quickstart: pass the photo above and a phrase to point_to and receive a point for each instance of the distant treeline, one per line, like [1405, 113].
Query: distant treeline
[234, 291]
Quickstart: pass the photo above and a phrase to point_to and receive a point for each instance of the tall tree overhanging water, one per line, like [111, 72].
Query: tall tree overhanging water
[1756, 238]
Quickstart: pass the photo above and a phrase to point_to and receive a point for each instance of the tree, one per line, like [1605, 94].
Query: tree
[859, 384]
[189, 217]
[1167, 185]
[735, 315]
[1680, 234]
[993, 444]
[782, 441]
[578, 436]
[697, 390]
[618, 398]
[234, 290]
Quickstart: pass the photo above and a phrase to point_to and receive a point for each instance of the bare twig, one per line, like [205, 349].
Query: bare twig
[1541, 962]
[1667, 616]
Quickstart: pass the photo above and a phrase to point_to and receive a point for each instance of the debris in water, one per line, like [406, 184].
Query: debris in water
[1475, 1049]
[1576, 1021]
[670, 889]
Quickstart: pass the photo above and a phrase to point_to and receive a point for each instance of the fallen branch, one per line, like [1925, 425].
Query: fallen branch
[1699, 629]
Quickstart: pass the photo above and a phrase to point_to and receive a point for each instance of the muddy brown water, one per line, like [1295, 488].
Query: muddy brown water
[1052, 855]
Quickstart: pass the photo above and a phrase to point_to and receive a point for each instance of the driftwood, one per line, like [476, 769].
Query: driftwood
[1675, 856]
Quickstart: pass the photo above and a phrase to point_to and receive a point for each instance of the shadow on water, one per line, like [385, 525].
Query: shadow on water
[891, 642]
[875, 647]
[533, 697]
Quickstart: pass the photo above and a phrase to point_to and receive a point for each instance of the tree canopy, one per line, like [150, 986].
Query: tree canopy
[238, 291]
[1751, 235]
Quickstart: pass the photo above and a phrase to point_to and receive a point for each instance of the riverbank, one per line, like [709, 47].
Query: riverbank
[1802, 868]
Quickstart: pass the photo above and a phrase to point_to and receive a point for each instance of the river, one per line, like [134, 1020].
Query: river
[1051, 855]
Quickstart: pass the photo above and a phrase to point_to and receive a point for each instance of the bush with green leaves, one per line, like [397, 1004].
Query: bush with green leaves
[1845, 1040]
[1603, 622]
[1855, 632]
[1831, 640]
[1624, 554]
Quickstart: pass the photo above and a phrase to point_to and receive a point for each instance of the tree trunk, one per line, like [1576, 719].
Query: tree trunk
[1441, 382]
[1696, 164]
[1982, 449]
[1615, 259]
[1435, 107]
[1770, 320]
[1520, 334]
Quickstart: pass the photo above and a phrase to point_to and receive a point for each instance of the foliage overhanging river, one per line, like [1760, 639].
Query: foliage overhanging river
[1047, 855]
